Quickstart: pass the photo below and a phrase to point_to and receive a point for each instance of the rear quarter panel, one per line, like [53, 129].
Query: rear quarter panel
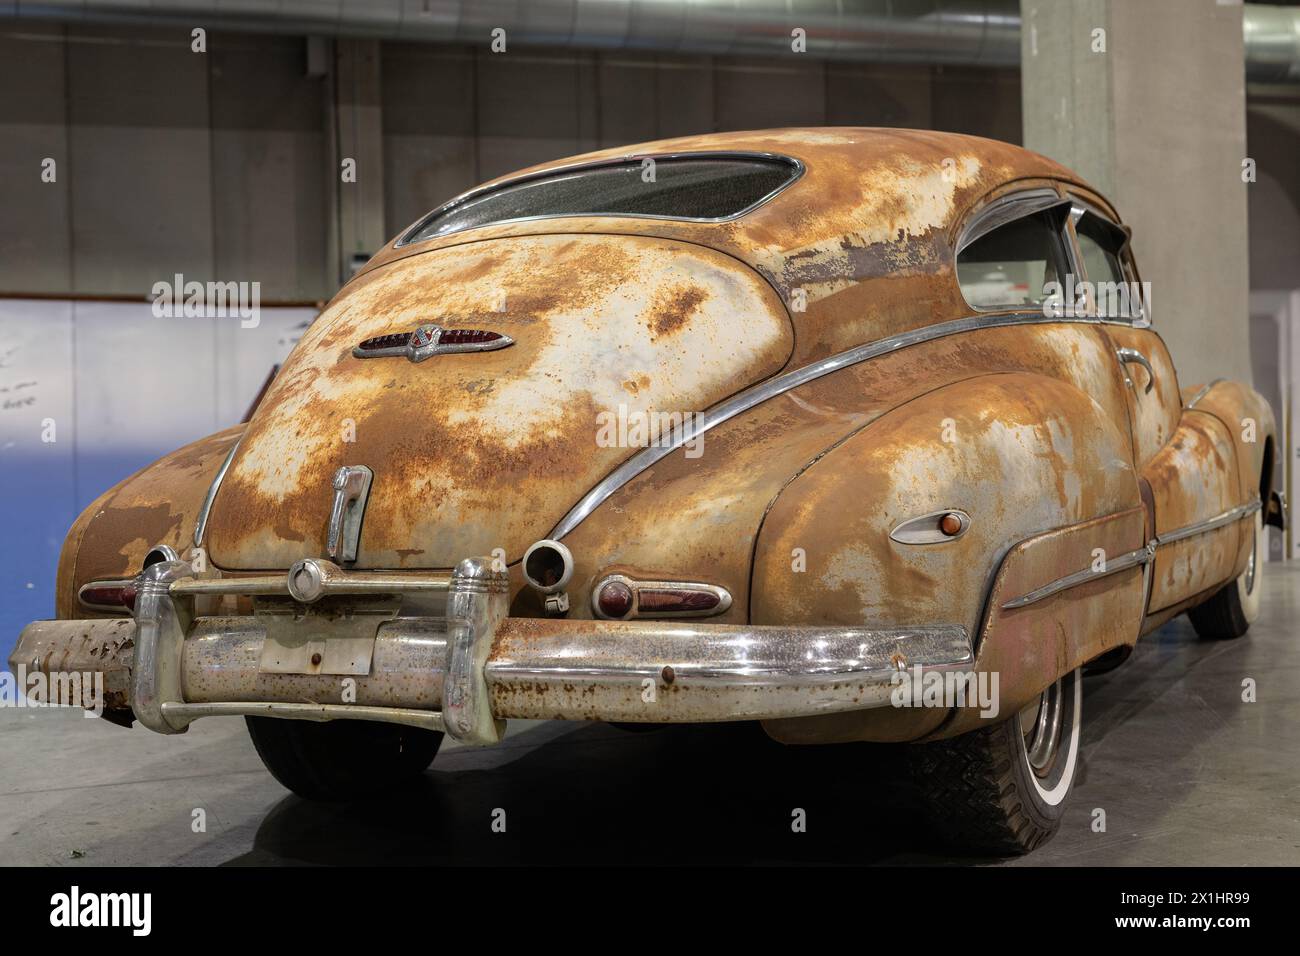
[1030, 455]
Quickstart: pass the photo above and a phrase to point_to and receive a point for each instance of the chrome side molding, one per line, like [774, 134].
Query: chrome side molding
[1133, 558]
[1202, 392]
[1123, 562]
[780, 384]
[1209, 524]
[202, 524]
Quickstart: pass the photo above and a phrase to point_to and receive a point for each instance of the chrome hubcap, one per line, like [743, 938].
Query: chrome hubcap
[1040, 723]
[1250, 563]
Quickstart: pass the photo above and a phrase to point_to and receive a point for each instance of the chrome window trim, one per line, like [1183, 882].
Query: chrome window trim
[797, 167]
[202, 525]
[771, 388]
[1003, 211]
[1125, 256]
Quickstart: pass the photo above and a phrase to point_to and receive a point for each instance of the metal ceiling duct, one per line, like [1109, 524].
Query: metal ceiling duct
[979, 32]
[967, 32]
[1272, 36]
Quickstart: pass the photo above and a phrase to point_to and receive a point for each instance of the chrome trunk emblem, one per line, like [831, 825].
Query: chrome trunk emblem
[351, 489]
[428, 340]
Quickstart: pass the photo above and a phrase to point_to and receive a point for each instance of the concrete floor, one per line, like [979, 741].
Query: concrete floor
[1186, 772]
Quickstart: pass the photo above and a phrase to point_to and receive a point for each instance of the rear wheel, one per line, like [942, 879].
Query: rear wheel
[341, 759]
[1234, 608]
[1002, 789]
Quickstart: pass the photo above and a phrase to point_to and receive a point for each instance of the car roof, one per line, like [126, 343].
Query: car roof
[872, 205]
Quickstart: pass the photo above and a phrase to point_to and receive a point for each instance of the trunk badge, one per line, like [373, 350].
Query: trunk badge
[429, 340]
[351, 489]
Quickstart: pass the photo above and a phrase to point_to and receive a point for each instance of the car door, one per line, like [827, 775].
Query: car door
[1185, 459]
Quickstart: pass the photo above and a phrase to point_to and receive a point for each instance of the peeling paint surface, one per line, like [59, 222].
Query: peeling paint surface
[477, 451]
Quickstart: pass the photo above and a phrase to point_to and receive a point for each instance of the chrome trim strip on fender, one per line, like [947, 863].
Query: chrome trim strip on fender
[202, 524]
[1209, 524]
[1123, 562]
[757, 394]
[1202, 392]
[1132, 558]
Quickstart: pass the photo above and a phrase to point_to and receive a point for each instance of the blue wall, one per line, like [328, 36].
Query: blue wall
[120, 388]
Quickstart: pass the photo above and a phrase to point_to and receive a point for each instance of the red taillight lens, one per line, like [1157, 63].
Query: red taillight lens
[109, 595]
[467, 336]
[676, 601]
[623, 598]
[614, 599]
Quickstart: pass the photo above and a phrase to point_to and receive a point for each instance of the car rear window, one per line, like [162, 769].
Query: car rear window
[681, 187]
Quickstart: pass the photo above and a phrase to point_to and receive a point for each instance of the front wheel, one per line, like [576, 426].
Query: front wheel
[341, 759]
[1235, 606]
[1002, 789]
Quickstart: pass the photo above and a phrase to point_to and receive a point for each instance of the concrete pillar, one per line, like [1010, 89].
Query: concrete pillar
[1152, 112]
[359, 138]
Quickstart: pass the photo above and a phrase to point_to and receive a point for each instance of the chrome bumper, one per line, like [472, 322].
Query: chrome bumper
[467, 672]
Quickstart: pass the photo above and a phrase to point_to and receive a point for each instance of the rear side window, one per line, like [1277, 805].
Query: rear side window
[1103, 248]
[695, 188]
[1099, 245]
[1010, 267]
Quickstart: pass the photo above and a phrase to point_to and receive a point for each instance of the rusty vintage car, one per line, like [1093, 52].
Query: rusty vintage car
[790, 426]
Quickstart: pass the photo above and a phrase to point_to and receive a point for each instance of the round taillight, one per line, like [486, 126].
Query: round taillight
[614, 599]
[950, 524]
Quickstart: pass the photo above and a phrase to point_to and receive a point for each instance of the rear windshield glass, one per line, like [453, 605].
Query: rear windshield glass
[676, 188]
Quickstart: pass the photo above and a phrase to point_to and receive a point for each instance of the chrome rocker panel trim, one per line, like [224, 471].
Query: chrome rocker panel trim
[467, 672]
[1141, 556]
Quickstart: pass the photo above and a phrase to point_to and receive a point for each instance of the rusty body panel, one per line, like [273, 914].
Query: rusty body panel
[157, 505]
[1194, 478]
[1153, 415]
[487, 450]
[1249, 422]
[1057, 461]
[1030, 428]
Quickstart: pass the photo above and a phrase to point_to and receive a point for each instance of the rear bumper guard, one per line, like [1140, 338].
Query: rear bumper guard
[469, 671]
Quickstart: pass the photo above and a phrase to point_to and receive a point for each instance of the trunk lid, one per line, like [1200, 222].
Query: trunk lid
[482, 450]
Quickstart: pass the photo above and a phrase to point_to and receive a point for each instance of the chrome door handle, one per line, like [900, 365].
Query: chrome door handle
[1127, 355]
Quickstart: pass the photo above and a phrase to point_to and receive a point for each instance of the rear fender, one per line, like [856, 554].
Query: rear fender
[1022, 455]
[159, 504]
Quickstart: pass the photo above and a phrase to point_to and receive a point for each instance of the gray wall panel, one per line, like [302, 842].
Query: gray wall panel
[35, 254]
[270, 168]
[141, 160]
